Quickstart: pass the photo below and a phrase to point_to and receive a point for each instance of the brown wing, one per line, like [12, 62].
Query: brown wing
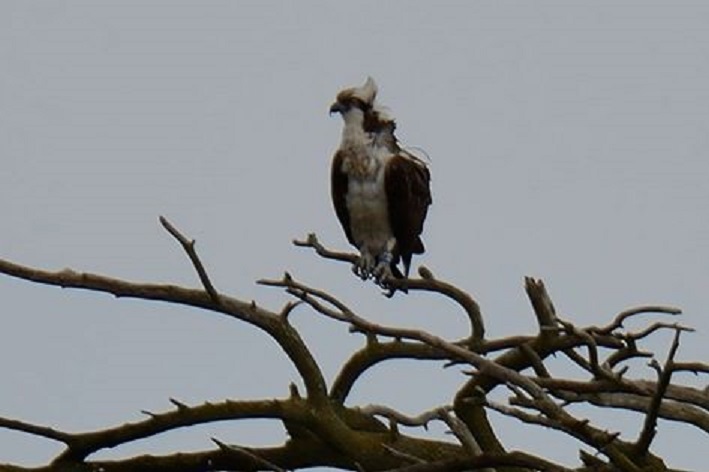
[408, 192]
[338, 191]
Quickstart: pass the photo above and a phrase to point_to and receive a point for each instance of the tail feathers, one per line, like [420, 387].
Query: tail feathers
[418, 247]
[396, 273]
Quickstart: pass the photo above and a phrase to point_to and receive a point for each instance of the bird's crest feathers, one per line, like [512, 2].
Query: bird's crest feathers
[365, 93]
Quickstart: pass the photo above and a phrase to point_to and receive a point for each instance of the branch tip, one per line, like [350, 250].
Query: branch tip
[288, 308]
[178, 404]
[426, 273]
[189, 247]
[293, 391]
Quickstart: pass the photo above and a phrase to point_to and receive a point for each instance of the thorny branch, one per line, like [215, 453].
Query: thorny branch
[325, 432]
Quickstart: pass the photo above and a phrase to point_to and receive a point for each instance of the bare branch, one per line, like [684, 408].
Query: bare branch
[640, 310]
[669, 409]
[288, 308]
[487, 460]
[427, 283]
[292, 455]
[590, 342]
[624, 354]
[403, 455]
[324, 432]
[251, 455]
[84, 444]
[694, 367]
[683, 394]
[374, 353]
[312, 242]
[536, 361]
[524, 416]
[542, 304]
[461, 431]
[580, 429]
[649, 427]
[655, 327]
[285, 335]
[420, 420]
[42, 431]
[189, 246]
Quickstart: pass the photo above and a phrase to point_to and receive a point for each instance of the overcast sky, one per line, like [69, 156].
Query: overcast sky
[568, 141]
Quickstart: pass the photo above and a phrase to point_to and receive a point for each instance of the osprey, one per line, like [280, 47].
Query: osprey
[380, 191]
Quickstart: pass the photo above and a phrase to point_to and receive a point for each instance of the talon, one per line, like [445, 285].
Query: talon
[383, 269]
[364, 266]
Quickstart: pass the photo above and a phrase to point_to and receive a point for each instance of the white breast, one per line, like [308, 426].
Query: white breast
[369, 215]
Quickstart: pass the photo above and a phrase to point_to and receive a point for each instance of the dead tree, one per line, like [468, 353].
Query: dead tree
[324, 432]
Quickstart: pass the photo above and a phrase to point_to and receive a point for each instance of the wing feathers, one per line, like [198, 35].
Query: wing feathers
[338, 189]
[408, 191]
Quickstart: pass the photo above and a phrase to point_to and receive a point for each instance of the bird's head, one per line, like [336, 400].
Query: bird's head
[361, 98]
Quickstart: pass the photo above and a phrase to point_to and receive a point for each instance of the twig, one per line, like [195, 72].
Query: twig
[590, 386]
[189, 246]
[649, 427]
[178, 404]
[427, 283]
[420, 420]
[624, 354]
[534, 360]
[461, 432]
[640, 310]
[590, 342]
[578, 359]
[288, 308]
[669, 409]
[298, 290]
[312, 242]
[524, 416]
[655, 327]
[232, 448]
[541, 302]
[42, 431]
[403, 455]
[694, 367]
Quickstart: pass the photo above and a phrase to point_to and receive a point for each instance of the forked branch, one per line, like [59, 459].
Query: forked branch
[189, 246]
[426, 283]
[323, 431]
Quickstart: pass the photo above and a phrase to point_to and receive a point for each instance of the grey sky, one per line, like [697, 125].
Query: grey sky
[568, 141]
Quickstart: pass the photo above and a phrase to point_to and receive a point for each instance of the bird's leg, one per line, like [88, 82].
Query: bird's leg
[365, 265]
[382, 271]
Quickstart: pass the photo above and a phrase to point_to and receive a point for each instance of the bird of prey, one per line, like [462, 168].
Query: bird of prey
[380, 191]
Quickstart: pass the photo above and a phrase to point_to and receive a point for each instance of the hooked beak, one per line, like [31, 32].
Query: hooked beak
[337, 107]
